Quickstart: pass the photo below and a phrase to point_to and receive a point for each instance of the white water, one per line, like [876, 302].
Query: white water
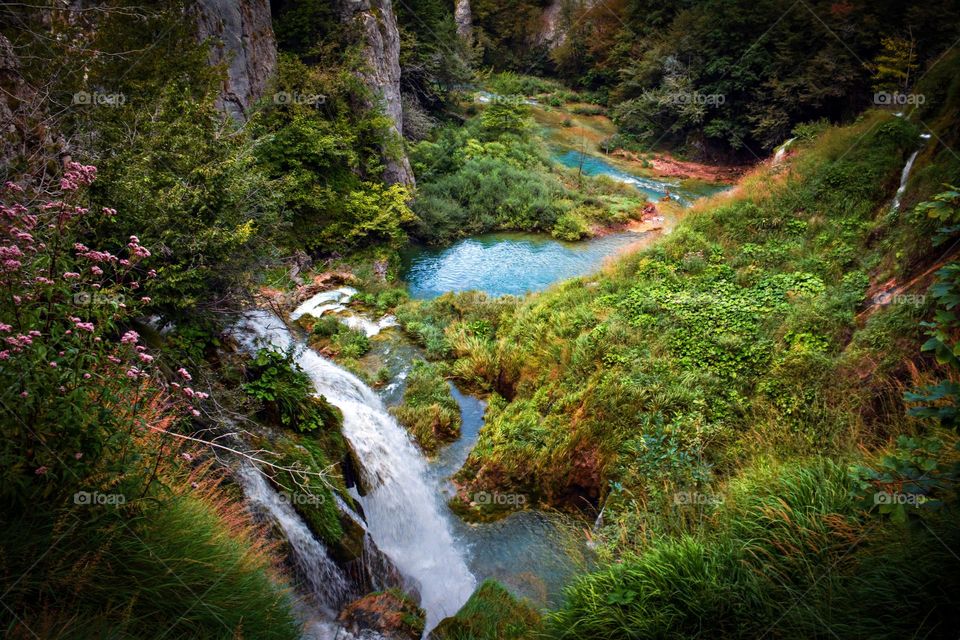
[782, 151]
[335, 301]
[402, 509]
[324, 579]
[904, 176]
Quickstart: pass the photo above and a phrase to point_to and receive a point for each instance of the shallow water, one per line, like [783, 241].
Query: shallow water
[654, 189]
[507, 263]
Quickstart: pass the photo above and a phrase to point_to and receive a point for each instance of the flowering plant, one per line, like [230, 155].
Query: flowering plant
[79, 391]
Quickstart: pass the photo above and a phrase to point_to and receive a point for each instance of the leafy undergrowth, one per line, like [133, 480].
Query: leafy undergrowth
[493, 174]
[108, 527]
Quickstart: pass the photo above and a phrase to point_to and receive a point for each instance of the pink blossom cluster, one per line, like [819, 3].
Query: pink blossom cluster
[77, 175]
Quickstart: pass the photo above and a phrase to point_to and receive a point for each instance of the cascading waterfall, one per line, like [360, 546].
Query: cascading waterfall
[782, 151]
[324, 579]
[904, 176]
[403, 515]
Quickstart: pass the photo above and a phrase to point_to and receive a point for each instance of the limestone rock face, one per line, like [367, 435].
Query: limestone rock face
[242, 38]
[376, 24]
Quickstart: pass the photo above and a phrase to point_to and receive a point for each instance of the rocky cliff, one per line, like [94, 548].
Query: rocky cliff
[242, 38]
[376, 25]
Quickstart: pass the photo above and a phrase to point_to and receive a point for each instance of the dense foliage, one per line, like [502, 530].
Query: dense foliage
[90, 472]
[714, 75]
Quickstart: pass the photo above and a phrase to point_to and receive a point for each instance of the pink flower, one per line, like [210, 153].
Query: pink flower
[146, 357]
[186, 456]
[5, 327]
[78, 455]
[24, 394]
[40, 471]
[53, 365]
[71, 275]
[184, 374]
[130, 337]
[95, 270]
[146, 299]
[86, 376]
[5, 355]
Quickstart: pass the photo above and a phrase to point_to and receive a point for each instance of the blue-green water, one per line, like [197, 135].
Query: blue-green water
[652, 188]
[506, 263]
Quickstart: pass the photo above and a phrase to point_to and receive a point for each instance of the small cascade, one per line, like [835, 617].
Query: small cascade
[402, 510]
[904, 176]
[782, 151]
[322, 577]
[335, 302]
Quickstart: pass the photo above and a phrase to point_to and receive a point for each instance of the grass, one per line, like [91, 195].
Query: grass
[428, 409]
[786, 555]
[189, 564]
[735, 325]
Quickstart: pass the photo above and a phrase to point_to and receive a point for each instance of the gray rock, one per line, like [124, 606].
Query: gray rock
[377, 26]
[242, 37]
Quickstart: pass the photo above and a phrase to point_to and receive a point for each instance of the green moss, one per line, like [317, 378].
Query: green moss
[491, 613]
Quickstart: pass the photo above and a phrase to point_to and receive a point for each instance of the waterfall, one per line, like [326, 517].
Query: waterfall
[782, 151]
[904, 176]
[402, 509]
[324, 579]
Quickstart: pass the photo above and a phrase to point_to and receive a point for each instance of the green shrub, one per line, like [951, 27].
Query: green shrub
[286, 392]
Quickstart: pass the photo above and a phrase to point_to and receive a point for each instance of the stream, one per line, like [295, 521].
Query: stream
[441, 558]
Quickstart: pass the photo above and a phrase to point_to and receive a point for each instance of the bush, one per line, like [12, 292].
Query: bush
[286, 392]
[570, 226]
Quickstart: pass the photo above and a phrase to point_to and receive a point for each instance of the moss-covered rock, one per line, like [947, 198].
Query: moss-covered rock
[491, 613]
